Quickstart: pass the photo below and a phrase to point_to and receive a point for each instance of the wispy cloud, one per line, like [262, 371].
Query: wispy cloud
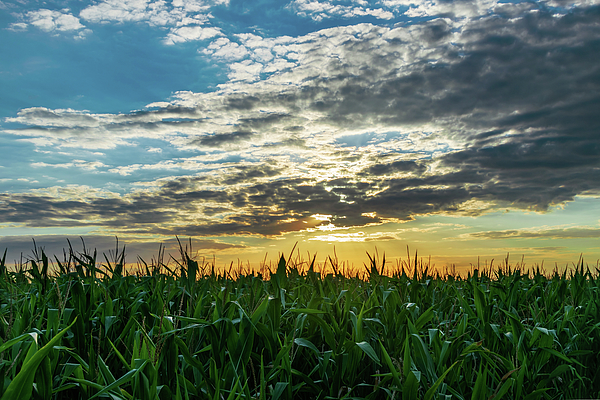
[88, 165]
[554, 233]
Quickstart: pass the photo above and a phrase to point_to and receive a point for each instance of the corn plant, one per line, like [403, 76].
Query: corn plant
[82, 328]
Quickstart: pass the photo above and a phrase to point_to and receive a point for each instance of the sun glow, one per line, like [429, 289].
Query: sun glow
[321, 217]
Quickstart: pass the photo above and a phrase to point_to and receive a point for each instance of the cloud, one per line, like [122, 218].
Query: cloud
[191, 33]
[18, 26]
[245, 71]
[455, 116]
[51, 21]
[155, 13]
[87, 165]
[320, 10]
[71, 128]
[222, 139]
[353, 237]
[48, 20]
[186, 19]
[226, 50]
[558, 233]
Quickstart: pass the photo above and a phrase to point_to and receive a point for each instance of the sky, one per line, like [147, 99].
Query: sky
[460, 130]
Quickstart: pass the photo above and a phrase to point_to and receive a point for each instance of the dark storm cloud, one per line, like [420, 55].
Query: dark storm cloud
[521, 94]
[40, 211]
[290, 142]
[268, 208]
[436, 30]
[533, 66]
[262, 121]
[273, 207]
[395, 166]
[221, 139]
[182, 183]
[242, 102]
[248, 173]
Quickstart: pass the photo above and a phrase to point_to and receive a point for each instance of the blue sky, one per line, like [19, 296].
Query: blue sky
[461, 129]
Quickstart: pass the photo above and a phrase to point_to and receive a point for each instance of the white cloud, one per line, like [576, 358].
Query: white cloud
[295, 63]
[48, 20]
[155, 13]
[18, 26]
[191, 33]
[304, 103]
[185, 17]
[244, 71]
[87, 165]
[320, 10]
[168, 165]
[51, 21]
[82, 34]
[457, 9]
[226, 50]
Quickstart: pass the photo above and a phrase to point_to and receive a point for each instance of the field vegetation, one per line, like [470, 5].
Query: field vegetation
[84, 327]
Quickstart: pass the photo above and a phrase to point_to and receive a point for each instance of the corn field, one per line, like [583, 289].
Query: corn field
[81, 327]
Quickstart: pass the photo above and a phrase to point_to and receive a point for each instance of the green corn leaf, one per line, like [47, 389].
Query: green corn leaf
[506, 386]
[67, 371]
[122, 380]
[307, 311]
[410, 390]
[43, 379]
[7, 345]
[536, 394]
[559, 355]
[407, 361]
[369, 351]
[480, 304]
[423, 359]
[105, 372]
[390, 364]
[21, 387]
[278, 390]
[261, 310]
[431, 392]
[424, 319]
[119, 355]
[306, 380]
[560, 370]
[480, 388]
[308, 344]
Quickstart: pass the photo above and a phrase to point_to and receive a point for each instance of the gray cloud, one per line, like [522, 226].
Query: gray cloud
[222, 139]
[395, 166]
[494, 110]
[566, 233]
